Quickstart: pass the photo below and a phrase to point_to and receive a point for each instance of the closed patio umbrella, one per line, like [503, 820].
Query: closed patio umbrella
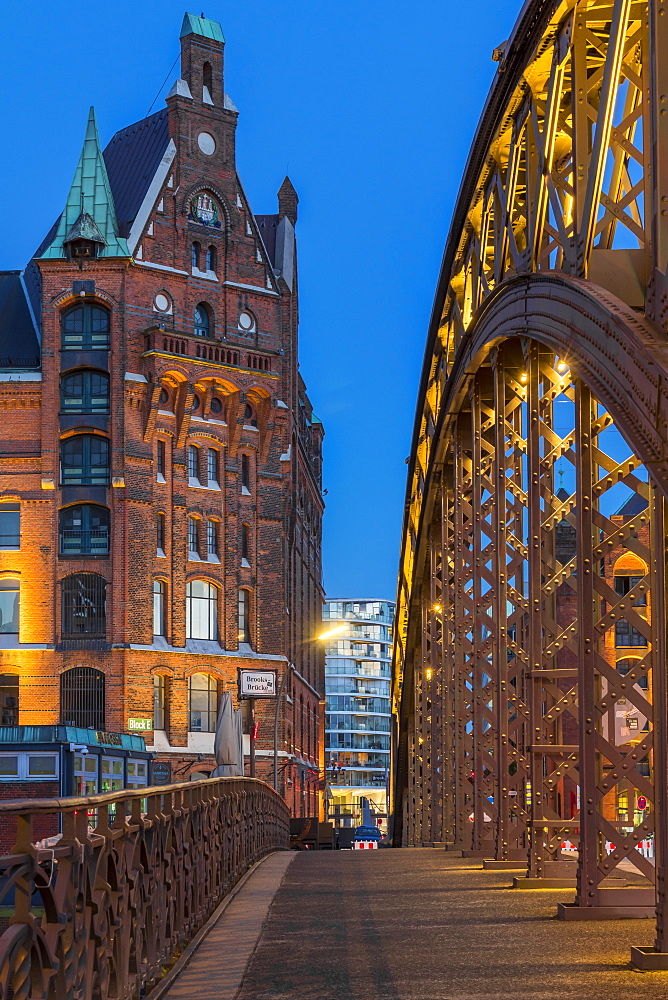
[226, 741]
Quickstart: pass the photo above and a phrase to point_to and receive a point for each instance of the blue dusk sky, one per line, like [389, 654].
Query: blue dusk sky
[371, 108]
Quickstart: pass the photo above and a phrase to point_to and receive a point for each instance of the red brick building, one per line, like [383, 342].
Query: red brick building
[160, 462]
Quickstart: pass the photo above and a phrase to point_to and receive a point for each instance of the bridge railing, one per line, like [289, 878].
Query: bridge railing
[104, 907]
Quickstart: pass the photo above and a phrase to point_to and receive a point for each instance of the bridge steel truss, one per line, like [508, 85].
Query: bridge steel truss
[543, 403]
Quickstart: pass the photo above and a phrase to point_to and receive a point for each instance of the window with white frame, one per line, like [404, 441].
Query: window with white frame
[137, 773]
[28, 766]
[202, 703]
[201, 610]
[159, 606]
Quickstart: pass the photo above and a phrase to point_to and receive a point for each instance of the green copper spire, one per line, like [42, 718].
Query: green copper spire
[90, 204]
[194, 25]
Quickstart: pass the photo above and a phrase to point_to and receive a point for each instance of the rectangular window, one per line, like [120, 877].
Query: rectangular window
[42, 765]
[244, 542]
[159, 700]
[245, 473]
[212, 538]
[193, 463]
[628, 635]
[244, 610]
[161, 461]
[9, 606]
[9, 766]
[160, 534]
[112, 774]
[159, 606]
[10, 526]
[85, 774]
[9, 699]
[212, 467]
[137, 774]
[193, 540]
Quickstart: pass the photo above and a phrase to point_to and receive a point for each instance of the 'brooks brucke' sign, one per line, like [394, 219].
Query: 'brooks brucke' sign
[257, 683]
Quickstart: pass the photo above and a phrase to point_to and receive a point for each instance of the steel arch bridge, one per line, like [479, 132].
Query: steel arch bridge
[530, 651]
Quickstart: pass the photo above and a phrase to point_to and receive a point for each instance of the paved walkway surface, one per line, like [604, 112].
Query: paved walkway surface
[409, 925]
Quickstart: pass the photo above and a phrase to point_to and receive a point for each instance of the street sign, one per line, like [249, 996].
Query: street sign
[257, 683]
[140, 725]
[642, 802]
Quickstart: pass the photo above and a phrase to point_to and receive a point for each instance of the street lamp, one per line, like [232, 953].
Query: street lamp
[289, 667]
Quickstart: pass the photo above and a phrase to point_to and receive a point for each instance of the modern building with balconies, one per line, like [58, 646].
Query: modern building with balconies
[358, 713]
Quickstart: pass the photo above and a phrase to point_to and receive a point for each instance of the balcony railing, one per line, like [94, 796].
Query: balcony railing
[84, 541]
[102, 910]
[206, 349]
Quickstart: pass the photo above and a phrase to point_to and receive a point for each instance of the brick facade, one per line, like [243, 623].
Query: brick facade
[235, 395]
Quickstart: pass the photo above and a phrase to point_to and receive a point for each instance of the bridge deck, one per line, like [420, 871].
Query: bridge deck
[413, 925]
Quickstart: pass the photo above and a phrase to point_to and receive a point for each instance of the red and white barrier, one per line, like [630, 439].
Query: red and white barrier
[365, 845]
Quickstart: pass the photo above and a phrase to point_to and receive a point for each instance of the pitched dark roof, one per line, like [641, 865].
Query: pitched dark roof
[19, 347]
[635, 504]
[132, 157]
[267, 224]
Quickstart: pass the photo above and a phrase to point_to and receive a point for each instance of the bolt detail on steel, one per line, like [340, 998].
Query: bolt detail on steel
[530, 649]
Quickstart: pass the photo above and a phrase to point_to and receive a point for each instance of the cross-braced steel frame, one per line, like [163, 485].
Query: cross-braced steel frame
[530, 655]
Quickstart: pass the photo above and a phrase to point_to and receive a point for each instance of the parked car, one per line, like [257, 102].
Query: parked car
[367, 833]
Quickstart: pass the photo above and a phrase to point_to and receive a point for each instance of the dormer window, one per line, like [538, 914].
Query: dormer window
[84, 240]
[82, 250]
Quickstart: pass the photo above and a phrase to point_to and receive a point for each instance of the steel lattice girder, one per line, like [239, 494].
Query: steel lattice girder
[547, 351]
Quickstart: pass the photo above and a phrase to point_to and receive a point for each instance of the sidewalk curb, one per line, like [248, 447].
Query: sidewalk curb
[161, 988]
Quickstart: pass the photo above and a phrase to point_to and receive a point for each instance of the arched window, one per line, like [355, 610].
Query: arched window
[84, 530]
[212, 467]
[9, 699]
[159, 606]
[193, 462]
[624, 666]
[193, 538]
[10, 605]
[84, 392]
[627, 634]
[85, 327]
[212, 540]
[195, 251]
[202, 703]
[160, 535]
[159, 701]
[249, 416]
[207, 83]
[82, 698]
[203, 322]
[201, 610]
[211, 259]
[84, 460]
[10, 526]
[244, 616]
[84, 605]
[216, 405]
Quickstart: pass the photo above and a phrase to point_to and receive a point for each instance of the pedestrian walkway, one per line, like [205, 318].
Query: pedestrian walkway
[411, 925]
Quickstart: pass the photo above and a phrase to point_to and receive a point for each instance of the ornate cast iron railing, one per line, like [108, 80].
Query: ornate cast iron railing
[105, 908]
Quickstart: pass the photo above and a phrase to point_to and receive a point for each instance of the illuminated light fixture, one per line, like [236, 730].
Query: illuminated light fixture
[562, 366]
[524, 377]
[428, 673]
[438, 608]
[333, 631]
[241, 636]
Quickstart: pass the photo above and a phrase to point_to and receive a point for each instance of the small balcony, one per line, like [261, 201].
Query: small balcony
[84, 542]
[206, 349]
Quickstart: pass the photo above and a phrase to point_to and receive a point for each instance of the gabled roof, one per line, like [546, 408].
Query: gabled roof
[635, 504]
[132, 157]
[194, 25]
[90, 193]
[19, 347]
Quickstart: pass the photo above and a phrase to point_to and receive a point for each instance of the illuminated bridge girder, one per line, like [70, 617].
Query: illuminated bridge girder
[530, 655]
